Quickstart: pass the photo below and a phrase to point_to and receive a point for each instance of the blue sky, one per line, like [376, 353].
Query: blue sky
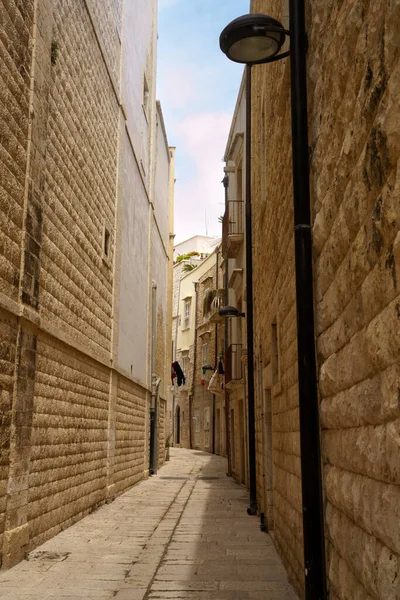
[197, 87]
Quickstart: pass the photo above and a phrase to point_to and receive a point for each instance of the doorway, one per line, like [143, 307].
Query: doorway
[207, 427]
[218, 431]
[269, 479]
[178, 426]
[242, 445]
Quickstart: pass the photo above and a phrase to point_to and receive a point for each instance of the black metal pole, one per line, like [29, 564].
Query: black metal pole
[152, 437]
[225, 182]
[215, 355]
[249, 306]
[313, 522]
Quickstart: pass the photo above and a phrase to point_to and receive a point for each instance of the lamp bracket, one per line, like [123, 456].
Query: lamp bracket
[271, 28]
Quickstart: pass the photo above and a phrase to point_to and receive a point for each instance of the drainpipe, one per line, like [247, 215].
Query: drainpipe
[154, 383]
[215, 355]
[311, 480]
[225, 183]
[174, 357]
[252, 510]
[191, 397]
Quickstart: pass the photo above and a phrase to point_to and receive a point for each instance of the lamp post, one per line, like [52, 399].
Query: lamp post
[256, 39]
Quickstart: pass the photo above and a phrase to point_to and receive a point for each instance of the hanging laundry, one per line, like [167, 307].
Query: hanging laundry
[173, 373]
[179, 373]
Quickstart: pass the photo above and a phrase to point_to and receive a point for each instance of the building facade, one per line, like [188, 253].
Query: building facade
[208, 407]
[197, 415]
[85, 200]
[234, 265]
[353, 82]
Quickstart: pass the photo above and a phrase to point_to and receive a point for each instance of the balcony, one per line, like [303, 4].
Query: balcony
[233, 366]
[233, 229]
[212, 302]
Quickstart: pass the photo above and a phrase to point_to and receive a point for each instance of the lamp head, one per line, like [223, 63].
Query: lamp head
[252, 39]
[230, 311]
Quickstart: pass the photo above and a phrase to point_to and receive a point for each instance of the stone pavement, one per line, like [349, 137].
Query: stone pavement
[182, 534]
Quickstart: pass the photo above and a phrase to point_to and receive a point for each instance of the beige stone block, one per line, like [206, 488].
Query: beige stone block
[15, 544]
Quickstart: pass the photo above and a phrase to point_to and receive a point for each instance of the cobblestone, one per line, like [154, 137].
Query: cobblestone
[174, 535]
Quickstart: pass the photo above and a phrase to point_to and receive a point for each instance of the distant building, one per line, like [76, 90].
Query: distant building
[234, 267]
[203, 244]
[197, 419]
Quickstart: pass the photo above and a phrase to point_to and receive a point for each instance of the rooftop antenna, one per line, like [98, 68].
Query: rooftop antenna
[205, 218]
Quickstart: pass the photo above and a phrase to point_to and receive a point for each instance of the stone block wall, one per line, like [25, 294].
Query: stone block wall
[355, 143]
[275, 307]
[15, 58]
[74, 428]
[353, 82]
[8, 336]
[130, 440]
[81, 179]
[68, 449]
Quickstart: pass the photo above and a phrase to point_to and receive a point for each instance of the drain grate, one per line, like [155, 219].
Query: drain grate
[208, 478]
[176, 478]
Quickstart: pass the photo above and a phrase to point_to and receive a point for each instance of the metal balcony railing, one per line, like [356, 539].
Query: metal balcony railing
[233, 364]
[216, 300]
[233, 228]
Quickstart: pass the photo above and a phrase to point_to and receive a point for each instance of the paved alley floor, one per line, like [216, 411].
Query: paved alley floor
[182, 534]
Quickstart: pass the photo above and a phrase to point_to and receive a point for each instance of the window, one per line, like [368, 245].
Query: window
[145, 142]
[107, 243]
[204, 353]
[185, 368]
[207, 302]
[146, 96]
[186, 314]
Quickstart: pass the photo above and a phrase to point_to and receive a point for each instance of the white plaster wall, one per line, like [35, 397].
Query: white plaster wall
[138, 58]
[159, 271]
[161, 192]
[133, 300]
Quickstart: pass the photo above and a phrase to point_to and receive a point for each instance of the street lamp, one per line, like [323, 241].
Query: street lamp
[256, 39]
[230, 311]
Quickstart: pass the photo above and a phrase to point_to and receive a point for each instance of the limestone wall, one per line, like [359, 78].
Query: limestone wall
[274, 307]
[353, 82]
[15, 68]
[74, 425]
[355, 144]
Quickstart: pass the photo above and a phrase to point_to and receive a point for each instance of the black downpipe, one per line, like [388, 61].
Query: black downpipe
[215, 357]
[252, 510]
[313, 522]
[191, 399]
[225, 182]
[152, 437]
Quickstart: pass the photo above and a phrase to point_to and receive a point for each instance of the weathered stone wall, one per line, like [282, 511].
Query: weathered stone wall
[274, 302]
[68, 450]
[354, 126]
[161, 432]
[16, 20]
[129, 439]
[354, 78]
[74, 427]
[76, 290]
[8, 336]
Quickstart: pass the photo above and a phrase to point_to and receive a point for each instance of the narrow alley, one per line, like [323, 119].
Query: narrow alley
[183, 533]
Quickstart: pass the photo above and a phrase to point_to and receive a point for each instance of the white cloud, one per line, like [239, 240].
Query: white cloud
[203, 138]
[178, 87]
